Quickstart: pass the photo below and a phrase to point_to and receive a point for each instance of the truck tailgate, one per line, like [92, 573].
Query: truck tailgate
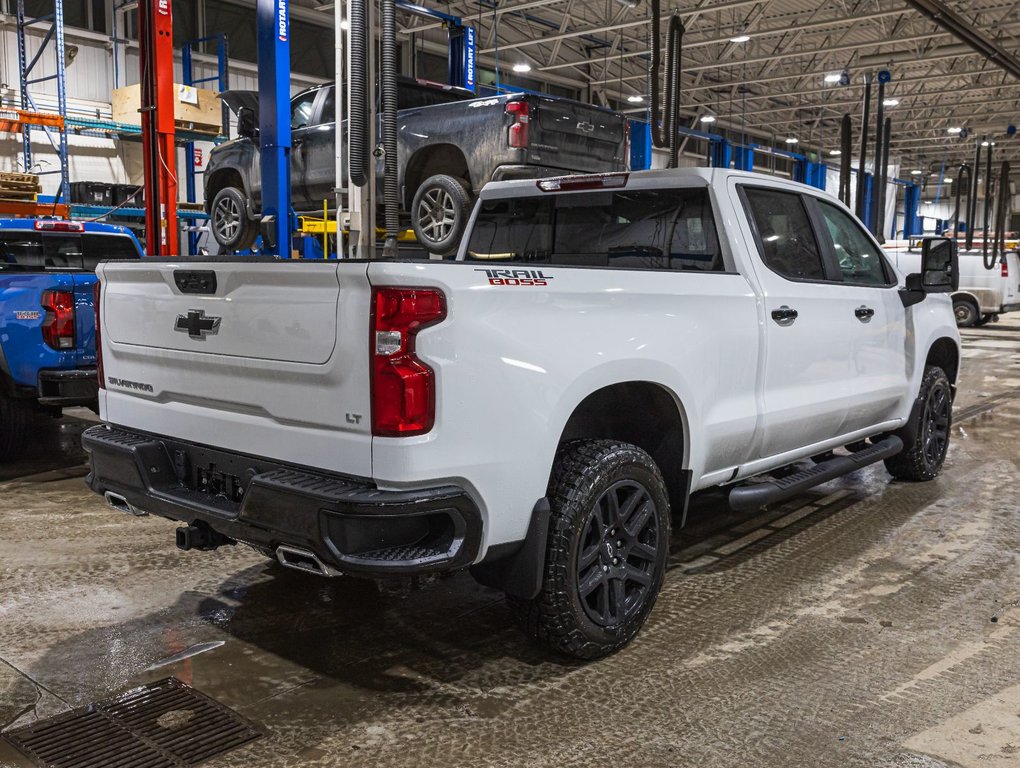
[267, 358]
[571, 135]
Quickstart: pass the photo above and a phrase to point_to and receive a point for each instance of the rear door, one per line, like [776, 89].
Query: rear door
[566, 134]
[303, 111]
[319, 149]
[806, 372]
[872, 311]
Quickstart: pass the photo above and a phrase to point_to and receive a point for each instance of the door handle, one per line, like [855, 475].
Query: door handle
[864, 314]
[295, 143]
[784, 315]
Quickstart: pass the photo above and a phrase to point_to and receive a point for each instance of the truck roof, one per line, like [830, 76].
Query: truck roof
[87, 226]
[636, 180]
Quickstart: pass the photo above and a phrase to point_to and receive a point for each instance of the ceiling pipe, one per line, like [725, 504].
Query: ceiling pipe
[959, 27]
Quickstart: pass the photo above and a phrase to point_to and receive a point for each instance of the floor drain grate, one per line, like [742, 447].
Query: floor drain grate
[162, 725]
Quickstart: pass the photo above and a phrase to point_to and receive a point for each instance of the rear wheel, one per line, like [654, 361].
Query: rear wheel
[15, 417]
[606, 552]
[967, 312]
[923, 458]
[231, 226]
[439, 213]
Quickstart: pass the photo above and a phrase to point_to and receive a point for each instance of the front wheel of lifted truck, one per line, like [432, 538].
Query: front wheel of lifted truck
[606, 553]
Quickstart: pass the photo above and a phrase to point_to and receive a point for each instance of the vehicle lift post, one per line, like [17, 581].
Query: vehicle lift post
[273, 36]
[156, 60]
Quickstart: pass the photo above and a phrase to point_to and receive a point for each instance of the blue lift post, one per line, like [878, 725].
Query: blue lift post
[273, 36]
[463, 50]
[222, 80]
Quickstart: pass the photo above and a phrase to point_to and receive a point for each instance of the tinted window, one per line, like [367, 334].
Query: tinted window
[860, 261]
[787, 241]
[36, 251]
[329, 107]
[670, 229]
[301, 110]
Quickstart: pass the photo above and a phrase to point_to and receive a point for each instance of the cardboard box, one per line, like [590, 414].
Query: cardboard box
[195, 109]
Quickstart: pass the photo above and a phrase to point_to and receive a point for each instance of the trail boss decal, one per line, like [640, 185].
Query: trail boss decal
[523, 277]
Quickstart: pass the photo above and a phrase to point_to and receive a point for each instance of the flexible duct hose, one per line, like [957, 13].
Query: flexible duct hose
[664, 127]
[972, 198]
[845, 148]
[861, 180]
[391, 196]
[882, 174]
[1002, 206]
[989, 198]
[357, 129]
[876, 177]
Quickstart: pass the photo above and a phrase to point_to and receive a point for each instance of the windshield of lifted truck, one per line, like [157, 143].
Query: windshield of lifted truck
[663, 229]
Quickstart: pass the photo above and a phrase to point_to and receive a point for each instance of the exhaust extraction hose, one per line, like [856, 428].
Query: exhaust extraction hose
[861, 180]
[388, 84]
[845, 148]
[357, 129]
[972, 199]
[1002, 206]
[989, 201]
[963, 172]
[664, 127]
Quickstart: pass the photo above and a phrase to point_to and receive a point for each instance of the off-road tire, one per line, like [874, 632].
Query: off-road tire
[231, 226]
[439, 213]
[922, 459]
[586, 476]
[15, 418]
[967, 312]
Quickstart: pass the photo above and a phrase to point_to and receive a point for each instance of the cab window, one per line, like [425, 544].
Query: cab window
[860, 260]
[301, 109]
[785, 237]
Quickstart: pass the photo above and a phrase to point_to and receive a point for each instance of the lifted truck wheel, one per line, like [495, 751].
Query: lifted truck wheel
[439, 213]
[931, 420]
[15, 416]
[606, 551]
[229, 221]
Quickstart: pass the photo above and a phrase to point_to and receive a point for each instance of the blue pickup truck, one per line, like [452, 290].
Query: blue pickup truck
[47, 322]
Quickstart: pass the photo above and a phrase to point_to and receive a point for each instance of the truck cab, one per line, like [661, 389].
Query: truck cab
[47, 323]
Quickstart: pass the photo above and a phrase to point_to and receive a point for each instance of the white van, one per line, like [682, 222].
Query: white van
[984, 294]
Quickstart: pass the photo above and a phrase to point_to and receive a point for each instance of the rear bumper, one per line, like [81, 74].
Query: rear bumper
[348, 524]
[68, 388]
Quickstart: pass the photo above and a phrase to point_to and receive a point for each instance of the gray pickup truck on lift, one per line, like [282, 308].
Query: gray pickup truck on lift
[450, 144]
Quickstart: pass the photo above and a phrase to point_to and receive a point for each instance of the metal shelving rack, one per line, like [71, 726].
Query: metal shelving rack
[53, 39]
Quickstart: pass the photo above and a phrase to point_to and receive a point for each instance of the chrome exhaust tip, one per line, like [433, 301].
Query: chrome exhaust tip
[303, 560]
[121, 504]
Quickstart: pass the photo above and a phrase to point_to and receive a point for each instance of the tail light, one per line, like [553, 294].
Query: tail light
[403, 387]
[520, 111]
[58, 327]
[97, 293]
[1005, 267]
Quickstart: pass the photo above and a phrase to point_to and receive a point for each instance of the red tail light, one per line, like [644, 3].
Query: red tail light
[58, 327]
[97, 293]
[1005, 267]
[521, 113]
[403, 387]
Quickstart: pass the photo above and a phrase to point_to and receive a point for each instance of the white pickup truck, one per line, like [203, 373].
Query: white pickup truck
[539, 409]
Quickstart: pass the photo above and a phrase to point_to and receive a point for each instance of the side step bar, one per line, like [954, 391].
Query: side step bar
[745, 498]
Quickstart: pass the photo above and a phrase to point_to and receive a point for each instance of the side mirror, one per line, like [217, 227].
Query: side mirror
[246, 127]
[940, 265]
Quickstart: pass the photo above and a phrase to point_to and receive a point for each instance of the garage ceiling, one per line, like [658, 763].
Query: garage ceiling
[773, 84]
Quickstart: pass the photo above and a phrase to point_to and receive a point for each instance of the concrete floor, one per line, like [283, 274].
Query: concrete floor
[868, 623]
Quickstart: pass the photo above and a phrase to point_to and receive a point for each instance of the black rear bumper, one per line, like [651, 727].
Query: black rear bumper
[348, 524]
[65, 388]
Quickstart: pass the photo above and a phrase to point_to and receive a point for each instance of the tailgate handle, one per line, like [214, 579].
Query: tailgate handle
[198, 281]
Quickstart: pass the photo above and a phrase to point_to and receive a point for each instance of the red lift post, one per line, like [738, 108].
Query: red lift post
[156, 57]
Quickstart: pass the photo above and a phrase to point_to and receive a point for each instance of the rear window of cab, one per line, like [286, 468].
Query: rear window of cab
[29, 250]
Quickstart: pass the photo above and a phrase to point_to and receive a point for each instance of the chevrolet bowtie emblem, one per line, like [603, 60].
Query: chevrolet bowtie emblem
[196, 324]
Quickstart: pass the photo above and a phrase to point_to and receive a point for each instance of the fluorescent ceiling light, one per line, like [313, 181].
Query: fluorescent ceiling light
[985, 144]
[792, 140]
[955, 129]
[522, 67]
[740, 39]
[635, 99]
[835, 77]
[345, 25]
[707, 119]
[916, 173]
[835, 152]
[891, 103]
[947, 181]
